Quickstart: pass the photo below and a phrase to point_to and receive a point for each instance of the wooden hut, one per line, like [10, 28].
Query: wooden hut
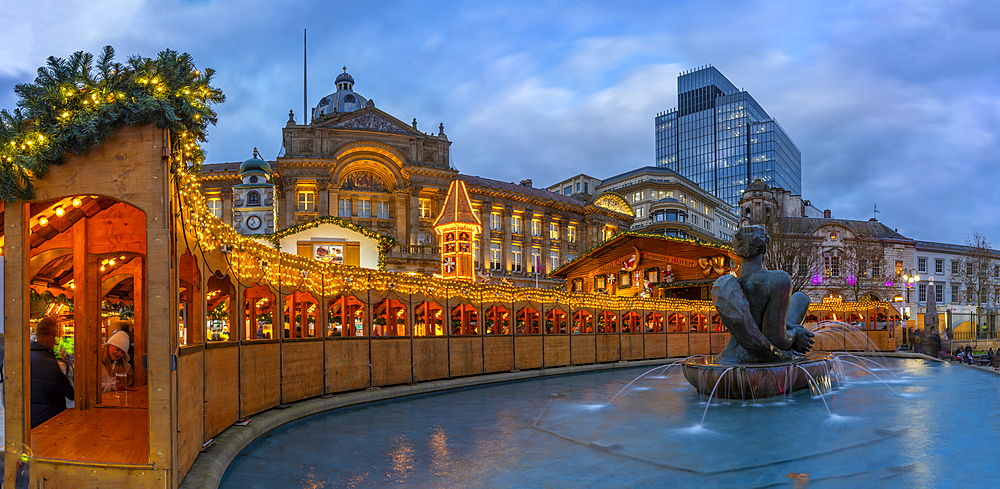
[649, 265]
[98, 230]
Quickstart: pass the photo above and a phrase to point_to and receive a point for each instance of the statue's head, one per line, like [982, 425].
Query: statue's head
[751, 241]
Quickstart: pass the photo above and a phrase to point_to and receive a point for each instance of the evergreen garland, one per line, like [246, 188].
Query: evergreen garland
[75, 104]
[385, 243]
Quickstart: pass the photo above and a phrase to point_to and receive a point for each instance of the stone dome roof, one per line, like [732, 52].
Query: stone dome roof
[256, 163]
[757, 185]
[345, 99]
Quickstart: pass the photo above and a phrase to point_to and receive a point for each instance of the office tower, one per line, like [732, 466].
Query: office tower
[705, 139]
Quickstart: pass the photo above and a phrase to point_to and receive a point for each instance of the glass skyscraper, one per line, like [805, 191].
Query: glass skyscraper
[706, 138]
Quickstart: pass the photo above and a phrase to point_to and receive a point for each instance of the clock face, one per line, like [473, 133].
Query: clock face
[253, 222]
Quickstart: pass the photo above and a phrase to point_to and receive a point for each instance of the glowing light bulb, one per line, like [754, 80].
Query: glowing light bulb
[60, 211]
[77, 202]
[43, 221]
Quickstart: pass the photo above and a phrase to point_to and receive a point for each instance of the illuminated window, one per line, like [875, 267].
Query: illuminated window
[536, 228]
[344, 209]
[364, 208]
[306, 200]
[571, 234]
[832, 266]
[214, 206]
[515, 224]
[515, 258]
[536, 259]
[425, 209]
[382, 209]
[899, 267]
[553, 230]
[495, 221]
[495, 255]
[553, 259]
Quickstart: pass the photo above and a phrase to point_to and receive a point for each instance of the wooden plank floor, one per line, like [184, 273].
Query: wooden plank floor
[118, 435]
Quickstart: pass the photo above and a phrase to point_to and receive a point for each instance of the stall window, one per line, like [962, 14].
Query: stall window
[258, 313]
[464, 320]
[345, 317]
[300, 316]
[428, 319]
[527, 321]
[583, 322]
[389, 318]
[497, 320]
[555, 322]
[654, 323]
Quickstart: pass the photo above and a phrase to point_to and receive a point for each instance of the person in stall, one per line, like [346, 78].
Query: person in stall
[116, 372]
[49, 386]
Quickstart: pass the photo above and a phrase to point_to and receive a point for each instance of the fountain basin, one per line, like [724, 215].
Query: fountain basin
[749, 381]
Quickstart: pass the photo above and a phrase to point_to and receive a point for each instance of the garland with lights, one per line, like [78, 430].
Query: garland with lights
[385, 243]
[74, 104]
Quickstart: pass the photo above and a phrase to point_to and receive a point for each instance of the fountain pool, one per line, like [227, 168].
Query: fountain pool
[908, 423]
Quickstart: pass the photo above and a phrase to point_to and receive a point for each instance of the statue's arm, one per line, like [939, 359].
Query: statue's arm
[776, 312]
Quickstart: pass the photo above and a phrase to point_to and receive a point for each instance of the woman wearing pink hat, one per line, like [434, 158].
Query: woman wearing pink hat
[115, 368]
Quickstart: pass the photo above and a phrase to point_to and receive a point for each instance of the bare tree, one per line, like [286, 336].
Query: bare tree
[795, 252]
[979, 273]
[864, 265]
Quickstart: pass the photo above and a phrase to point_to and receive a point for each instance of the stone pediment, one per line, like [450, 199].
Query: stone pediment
[372, 121]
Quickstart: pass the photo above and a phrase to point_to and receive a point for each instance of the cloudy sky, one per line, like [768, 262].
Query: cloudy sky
[894, 103]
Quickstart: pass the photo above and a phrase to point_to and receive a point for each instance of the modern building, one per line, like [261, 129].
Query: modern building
[715, 126]
[371, 170]
[668, 204]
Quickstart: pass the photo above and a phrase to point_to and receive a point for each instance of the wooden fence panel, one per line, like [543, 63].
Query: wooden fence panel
[190, 409]
[498, 353]
[584, 351]
[466, 356]
[655, 345]
[391, 361]
[430, 358]
[527, 352]
[677, 345]
[556, 350]
[632, 346]
[301, 369]
[260, 377]
[347, 364]
[608, 348]
[222, 389]
[700, 343]
[719, 341]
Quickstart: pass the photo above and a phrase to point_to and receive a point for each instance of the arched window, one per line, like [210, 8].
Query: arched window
[253, 198]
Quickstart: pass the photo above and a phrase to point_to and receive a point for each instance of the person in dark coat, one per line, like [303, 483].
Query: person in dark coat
[49, 386]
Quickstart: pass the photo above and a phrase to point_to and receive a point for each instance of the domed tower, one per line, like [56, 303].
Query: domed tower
[758, 204]
[253, 200]
[345, 99]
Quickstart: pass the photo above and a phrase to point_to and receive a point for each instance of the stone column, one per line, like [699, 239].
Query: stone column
[227, 205]
[563, 241]
[322, 199]
[484, 242]
[291, 202]
[547, 242]
[414, 213]
[505, 219]
[333, 196]
[399, 208]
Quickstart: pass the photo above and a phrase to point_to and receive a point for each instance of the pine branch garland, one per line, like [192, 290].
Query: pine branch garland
[76, 103]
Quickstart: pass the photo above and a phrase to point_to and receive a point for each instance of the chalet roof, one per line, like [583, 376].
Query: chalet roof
[875, 229]
[457, 207]
[614, 247]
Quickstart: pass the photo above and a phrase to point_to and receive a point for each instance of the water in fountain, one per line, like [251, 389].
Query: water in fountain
[931, 429]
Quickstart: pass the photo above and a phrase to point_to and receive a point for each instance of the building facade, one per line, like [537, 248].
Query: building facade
[715, 126]
[367, 167]
[668, 204]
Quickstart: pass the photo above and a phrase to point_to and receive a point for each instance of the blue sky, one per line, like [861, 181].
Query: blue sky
[894, 103]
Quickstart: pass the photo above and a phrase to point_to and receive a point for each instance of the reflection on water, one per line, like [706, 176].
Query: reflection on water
[561, 432]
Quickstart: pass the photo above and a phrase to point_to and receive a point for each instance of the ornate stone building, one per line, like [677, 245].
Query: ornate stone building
[359, 163]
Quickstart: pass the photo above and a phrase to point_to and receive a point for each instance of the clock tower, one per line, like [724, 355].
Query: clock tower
[253, 199]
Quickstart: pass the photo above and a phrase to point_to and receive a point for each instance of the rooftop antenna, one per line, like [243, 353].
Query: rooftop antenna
[305, 81]
[875, 212]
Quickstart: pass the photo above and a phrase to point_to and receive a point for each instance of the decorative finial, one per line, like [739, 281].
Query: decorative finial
[441, 129]
[255, 153]
[291, 116]
[414, 122]
[345, 69]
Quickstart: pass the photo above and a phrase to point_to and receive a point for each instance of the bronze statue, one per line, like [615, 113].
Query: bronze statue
[763, 318]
